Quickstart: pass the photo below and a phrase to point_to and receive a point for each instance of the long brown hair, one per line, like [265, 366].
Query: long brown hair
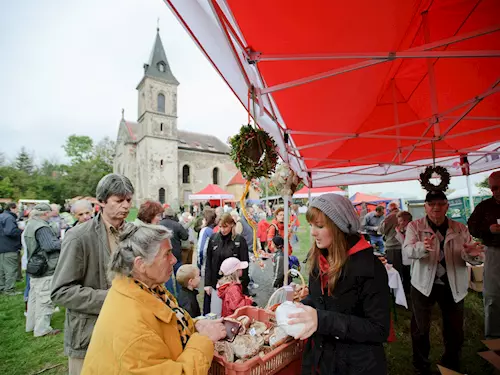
[337, 252]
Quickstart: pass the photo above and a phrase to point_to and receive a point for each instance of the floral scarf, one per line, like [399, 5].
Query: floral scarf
[185, 324]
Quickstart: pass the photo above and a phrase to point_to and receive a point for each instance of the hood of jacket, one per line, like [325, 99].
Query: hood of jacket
[222, 289]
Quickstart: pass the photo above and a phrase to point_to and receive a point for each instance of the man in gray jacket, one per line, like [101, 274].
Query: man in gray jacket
[43, 248]
[80, 282]
[393, 247]
[371, 224]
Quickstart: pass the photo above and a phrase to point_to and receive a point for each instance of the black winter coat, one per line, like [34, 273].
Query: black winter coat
[10, 234]
[353, 323]
[187, 300]
[220, 248]
[179, 234]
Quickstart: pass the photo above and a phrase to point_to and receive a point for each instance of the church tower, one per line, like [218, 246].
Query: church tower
[157, 154]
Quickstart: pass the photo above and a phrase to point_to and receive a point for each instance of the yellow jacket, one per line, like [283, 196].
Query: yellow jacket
[137, 333]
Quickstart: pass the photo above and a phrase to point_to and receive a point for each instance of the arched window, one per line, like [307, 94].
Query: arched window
[161, 163]
[185, 174]
[161, 195]
[161, 103]
[215, 176]
[161, 127]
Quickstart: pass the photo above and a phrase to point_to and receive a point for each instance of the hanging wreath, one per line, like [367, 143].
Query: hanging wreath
[253, 152]
[442, 172]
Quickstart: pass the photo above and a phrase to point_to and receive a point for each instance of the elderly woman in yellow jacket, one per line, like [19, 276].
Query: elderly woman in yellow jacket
[141, 329]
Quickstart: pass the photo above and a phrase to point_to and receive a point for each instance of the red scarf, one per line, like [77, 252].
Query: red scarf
[324, 266]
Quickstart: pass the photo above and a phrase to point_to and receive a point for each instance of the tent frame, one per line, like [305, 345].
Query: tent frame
[235, 40]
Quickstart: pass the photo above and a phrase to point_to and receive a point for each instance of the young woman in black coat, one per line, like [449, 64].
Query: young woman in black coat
[346, 316]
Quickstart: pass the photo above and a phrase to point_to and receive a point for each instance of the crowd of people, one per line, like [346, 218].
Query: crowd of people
[130, 290]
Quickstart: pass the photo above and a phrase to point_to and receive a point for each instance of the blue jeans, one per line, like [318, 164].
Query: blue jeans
[27, 288]
[378, 241]
[170, 283]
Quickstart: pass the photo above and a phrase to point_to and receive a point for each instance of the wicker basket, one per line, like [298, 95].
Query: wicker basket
[269, 364]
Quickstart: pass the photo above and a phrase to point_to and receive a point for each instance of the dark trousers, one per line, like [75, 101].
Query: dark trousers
[207, 299]
[395, 257]
[453, 330]
[173, 287]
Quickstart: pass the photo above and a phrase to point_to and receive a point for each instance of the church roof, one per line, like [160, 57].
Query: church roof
[201, 142]
[237, 180]
[187, 140]
[131, 130]
[157, 66]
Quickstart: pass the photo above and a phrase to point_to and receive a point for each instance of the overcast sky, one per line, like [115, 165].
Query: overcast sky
[69, 67]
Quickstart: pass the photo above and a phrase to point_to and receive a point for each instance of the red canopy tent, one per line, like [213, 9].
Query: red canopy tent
[356, 92]
[314, 192]
[360, 92]
[214, 194]
[366, 202]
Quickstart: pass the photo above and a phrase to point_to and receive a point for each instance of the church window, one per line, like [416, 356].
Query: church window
[215, 176]
[161, 103]
[161, 127]
[185, 174]
[161, 195]
[161, 163]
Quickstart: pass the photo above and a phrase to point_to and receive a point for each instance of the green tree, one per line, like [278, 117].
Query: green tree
[24, 161]
[105, 151]
[6, 188]
[79, 148]
[483, 184]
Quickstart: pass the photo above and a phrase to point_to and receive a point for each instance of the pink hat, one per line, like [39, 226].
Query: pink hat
[231, 265]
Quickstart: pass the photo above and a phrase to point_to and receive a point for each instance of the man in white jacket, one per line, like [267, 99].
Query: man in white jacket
[439, 248]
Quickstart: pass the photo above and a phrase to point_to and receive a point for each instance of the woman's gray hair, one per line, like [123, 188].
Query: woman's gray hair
[113, 184]
[81, 203]
[137, 240]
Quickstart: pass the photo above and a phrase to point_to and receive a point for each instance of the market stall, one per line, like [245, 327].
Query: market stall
[214, 194]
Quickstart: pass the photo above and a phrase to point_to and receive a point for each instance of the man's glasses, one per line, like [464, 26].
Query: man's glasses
[438, 204]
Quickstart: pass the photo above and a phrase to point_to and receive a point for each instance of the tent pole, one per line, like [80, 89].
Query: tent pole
[471, 198]
[285, 258]
[309, 205]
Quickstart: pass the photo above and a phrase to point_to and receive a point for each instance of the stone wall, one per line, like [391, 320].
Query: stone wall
[201, 165]
[159, 169]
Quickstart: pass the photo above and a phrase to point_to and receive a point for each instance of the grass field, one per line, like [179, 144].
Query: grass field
[23, 354]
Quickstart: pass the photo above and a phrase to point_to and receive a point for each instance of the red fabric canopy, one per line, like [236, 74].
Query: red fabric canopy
[211, 192]
[361, 197]
[364, 88]
[304, 192]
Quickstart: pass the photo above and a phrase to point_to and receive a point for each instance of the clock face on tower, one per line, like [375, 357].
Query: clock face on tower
[161, 67]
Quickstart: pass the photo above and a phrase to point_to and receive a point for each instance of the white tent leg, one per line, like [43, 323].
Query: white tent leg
[471, 198]
[285, 250]
[308, 206]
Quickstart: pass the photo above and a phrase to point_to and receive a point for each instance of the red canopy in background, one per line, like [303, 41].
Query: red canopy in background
[361, 197]
[212, 193]
[304, 192]
[364, 203]
[361, 91]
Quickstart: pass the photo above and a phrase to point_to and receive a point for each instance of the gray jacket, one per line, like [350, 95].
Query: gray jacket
[371, 223]
[388, 229]
[80, 282]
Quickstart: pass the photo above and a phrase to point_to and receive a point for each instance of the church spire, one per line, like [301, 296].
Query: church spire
[157, 66]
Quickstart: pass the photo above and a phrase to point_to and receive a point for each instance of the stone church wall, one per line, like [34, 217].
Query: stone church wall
[201, 165]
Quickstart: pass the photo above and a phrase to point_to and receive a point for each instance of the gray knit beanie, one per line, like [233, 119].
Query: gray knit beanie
[340, 210]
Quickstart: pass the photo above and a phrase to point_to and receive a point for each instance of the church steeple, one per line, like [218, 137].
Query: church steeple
[158, 67]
